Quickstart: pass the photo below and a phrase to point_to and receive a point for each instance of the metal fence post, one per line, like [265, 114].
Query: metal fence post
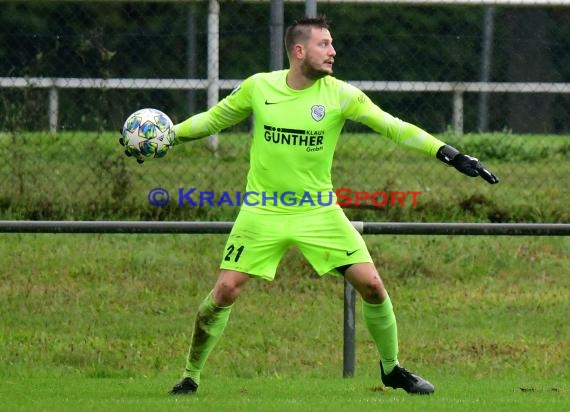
[487, 52]
[213, 62]
[276, 35]
[53, 109]
[349, 323]
[311, 8]
[349, 331]
[191, 54]
[458, 112]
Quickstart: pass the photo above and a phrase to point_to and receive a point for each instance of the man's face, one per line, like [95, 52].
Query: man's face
[319, 54]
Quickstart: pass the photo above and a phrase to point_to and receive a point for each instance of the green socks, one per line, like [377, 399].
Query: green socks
[381, 323]
[210, 323]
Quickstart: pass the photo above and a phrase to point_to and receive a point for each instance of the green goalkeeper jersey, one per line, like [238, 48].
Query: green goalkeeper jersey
[295, 133]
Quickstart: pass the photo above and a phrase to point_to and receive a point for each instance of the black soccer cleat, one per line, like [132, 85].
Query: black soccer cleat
[186, 386]
[401, 378]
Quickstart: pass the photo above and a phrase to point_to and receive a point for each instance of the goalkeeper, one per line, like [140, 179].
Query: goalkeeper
[298, 115]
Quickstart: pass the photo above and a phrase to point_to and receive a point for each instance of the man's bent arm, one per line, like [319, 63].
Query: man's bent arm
[228, 112]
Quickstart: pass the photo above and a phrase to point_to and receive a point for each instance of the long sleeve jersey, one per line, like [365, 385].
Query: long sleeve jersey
[295, 133]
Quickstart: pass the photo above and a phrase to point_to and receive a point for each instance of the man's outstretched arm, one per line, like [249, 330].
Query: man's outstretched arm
[361, 109]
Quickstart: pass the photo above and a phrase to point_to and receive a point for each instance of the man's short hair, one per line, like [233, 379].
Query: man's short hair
[300, 30]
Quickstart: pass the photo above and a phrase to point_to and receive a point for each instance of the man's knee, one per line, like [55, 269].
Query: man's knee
[366, 280]
[228, 287]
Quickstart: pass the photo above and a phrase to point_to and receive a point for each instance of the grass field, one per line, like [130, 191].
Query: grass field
[102, 322]
[274, 394]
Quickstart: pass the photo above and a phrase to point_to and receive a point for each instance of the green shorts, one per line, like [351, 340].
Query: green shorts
[326, 238]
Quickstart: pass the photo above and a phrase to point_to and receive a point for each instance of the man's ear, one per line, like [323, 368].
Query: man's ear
[298, 51]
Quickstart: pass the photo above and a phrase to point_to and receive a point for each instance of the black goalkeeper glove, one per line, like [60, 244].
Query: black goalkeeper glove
[468, 165]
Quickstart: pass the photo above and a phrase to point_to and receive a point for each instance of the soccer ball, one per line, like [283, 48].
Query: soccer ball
[147, 134]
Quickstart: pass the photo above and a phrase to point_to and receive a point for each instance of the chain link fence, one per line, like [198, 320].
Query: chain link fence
[491, 79]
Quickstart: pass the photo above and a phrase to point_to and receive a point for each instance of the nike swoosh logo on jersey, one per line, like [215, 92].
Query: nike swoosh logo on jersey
[351, 253]
[267, 102]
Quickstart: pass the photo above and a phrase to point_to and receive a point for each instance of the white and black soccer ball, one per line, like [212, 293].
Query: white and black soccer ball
[147, 134]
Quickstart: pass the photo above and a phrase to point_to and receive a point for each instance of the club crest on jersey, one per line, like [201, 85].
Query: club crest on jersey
[318, 112]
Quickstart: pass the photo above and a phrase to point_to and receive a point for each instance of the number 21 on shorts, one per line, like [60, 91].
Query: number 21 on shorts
[230, 255]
